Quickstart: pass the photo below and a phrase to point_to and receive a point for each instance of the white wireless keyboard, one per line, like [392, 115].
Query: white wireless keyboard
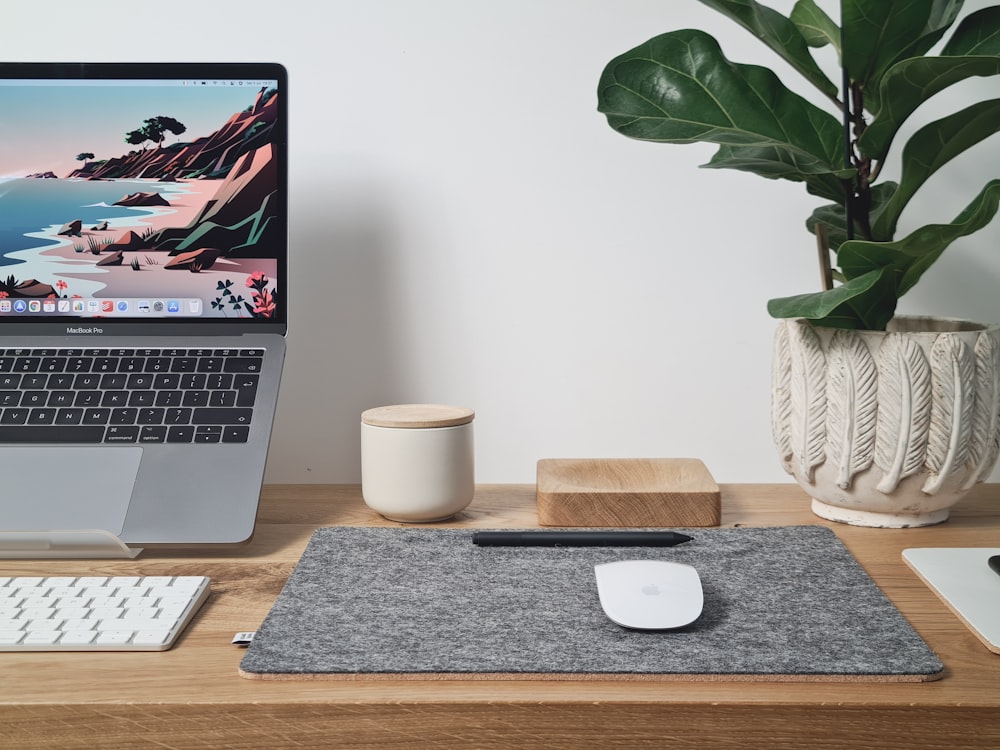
[120, 613]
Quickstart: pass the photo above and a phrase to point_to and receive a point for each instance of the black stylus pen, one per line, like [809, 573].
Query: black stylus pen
[578, 538]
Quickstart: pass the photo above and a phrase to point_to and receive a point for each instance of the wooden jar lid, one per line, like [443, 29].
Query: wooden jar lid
[417, 416]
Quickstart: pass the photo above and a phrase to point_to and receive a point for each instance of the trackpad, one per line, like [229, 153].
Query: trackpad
[56, 488]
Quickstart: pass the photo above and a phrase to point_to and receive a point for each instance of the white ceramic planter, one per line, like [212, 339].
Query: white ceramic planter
[887, 428]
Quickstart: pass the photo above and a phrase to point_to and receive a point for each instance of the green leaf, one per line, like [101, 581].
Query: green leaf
[909, 257]
[908, 85]
[680, 88]
[816, 27]
[977, 34]
[864, 302]
[932, 147]
[876, 35]
[780, 34]
[776, 163]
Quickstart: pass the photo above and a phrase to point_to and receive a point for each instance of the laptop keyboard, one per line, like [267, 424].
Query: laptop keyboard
[128, 395]
[120, 613]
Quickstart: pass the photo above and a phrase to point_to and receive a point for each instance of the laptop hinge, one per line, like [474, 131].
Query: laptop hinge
[73, 543]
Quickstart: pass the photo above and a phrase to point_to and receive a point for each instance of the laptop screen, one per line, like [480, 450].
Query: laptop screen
[152, 193]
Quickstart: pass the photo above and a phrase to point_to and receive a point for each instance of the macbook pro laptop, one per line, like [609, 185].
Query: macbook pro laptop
[143, 272]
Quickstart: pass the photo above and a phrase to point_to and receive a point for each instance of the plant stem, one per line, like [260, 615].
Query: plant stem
[863, 193]
[823, 248]
[848, 156]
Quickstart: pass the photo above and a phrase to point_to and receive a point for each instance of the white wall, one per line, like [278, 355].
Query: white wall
[466, 228]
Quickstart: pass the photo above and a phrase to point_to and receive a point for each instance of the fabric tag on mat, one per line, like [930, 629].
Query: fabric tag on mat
[789, 602]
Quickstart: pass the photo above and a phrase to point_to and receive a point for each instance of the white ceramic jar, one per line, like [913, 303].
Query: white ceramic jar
[417, 461]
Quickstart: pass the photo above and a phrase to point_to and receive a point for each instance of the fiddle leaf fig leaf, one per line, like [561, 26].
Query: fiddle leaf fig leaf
[817, 28]
[862, 302]
[876, 35]
[777, 163]
[932, 147]
[779, 33]
[679, 88]
[909, 257]
[977, 34]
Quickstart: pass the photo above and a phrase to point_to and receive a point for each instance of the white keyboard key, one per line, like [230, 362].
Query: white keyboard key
[34, 612]
[141, 613]
[41, 637]
[72, 613]
[114, 637]
[42, 624]
[27, 582]
[57, 581]
[88, 581]
[77, 637]
[104, 602]
[151, 637]
[10, 637]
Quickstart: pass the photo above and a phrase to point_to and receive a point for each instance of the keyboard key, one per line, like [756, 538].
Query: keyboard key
[235, 434]
[96, 416]
[142, 398]
[122, 434]
[87, 381]
[42, 416]
[51, 434]
[150, 416]
[69, 416]
[14, 416]
[77, 637]
[180, 434]
[60, 398]
[113, 637]
[151, 637]
[180, 415]
[244, 364]
[125, 415]
[34, 398]
[168, 398]
[209, 415]
[153, 434]
[195, 398]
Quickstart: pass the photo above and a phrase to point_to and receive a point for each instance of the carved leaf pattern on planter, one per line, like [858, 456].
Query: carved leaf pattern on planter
[984, 442]
[852, 405]
[904, 411]
[807, 398]
[952, 372]
[781, 407]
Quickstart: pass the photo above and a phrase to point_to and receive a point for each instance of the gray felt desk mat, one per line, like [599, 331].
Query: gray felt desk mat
[780, 603]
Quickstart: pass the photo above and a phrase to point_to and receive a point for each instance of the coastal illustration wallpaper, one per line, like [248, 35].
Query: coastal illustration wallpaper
[125, 199]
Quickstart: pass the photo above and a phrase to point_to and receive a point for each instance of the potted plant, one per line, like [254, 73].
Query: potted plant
[885, 420]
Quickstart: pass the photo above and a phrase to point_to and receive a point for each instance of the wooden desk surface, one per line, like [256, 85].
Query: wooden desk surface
[192, 697]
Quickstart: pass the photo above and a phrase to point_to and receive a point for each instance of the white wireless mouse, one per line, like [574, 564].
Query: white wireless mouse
[649, 594]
